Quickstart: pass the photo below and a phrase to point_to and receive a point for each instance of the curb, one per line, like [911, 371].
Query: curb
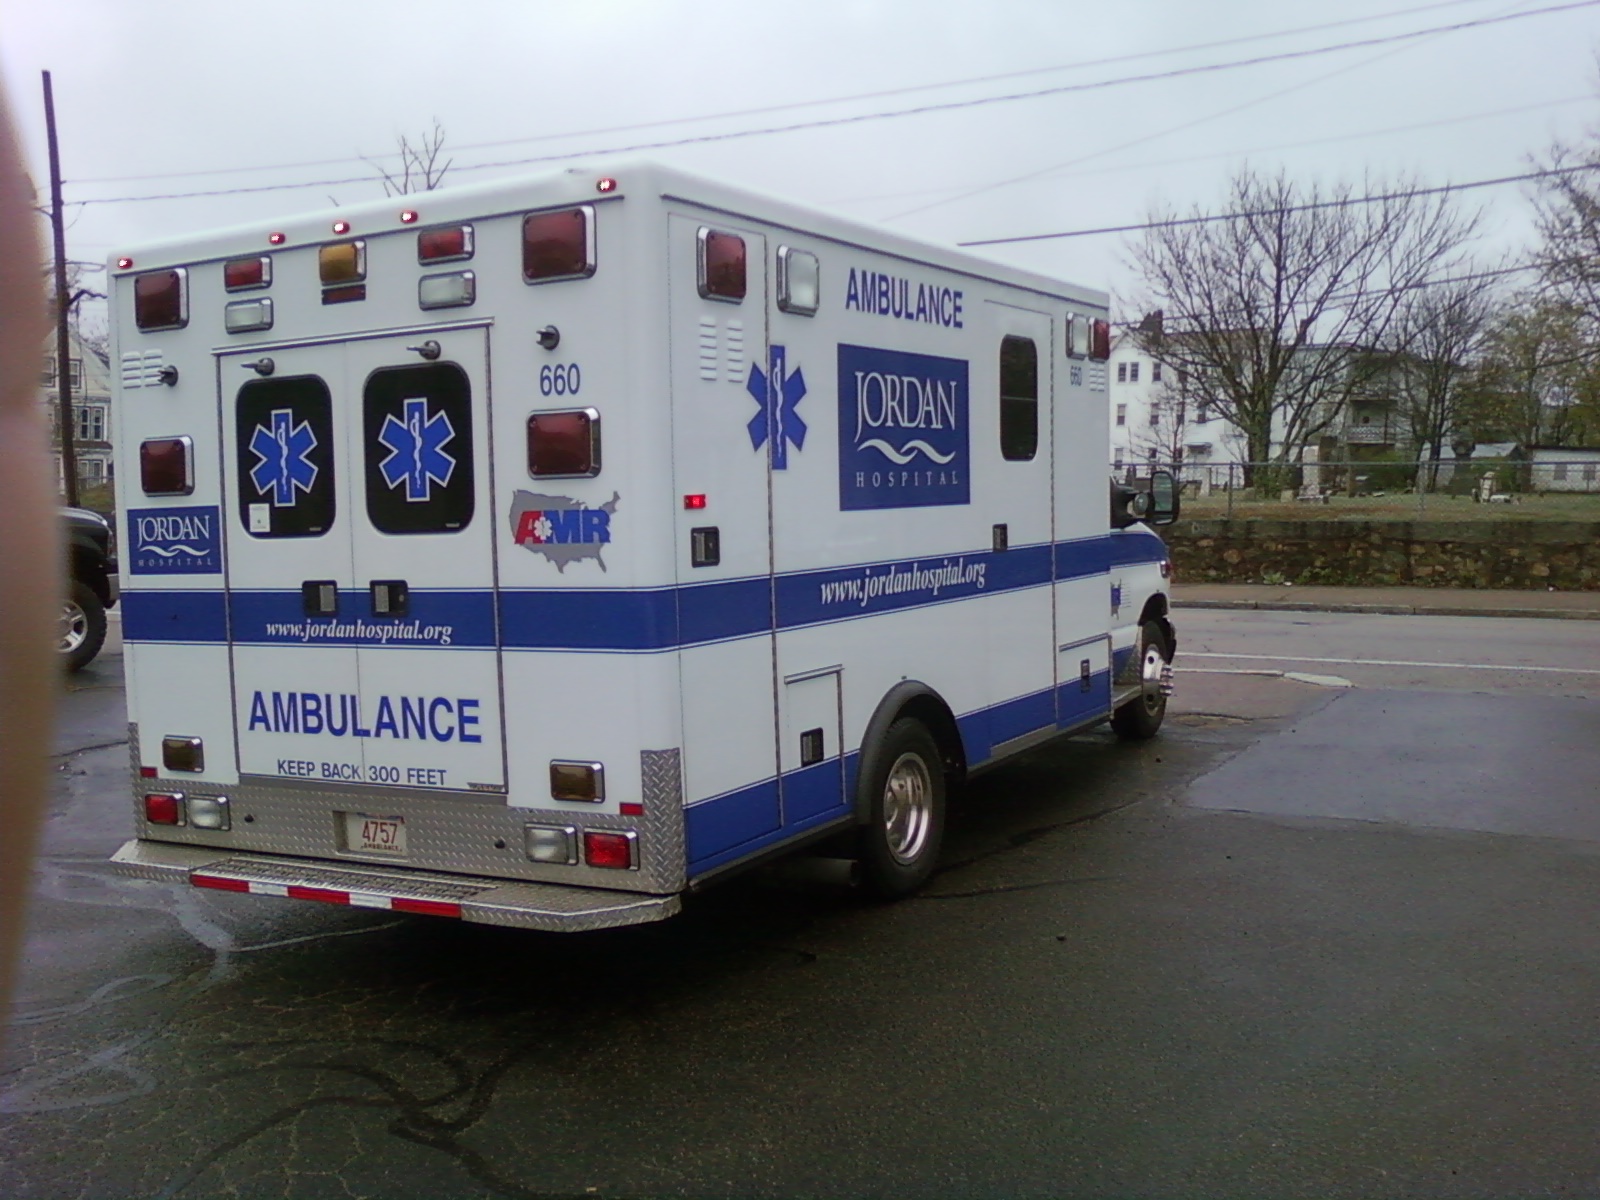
[1407, 610]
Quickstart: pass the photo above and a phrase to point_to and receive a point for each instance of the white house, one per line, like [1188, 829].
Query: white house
[1564, 468]
[90, 379]
[1154, 421]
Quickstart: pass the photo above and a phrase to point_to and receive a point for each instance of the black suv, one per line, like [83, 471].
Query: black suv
[91, 586]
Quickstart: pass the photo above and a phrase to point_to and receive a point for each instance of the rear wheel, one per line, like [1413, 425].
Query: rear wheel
[1140, 718]
[83, 626]
[905, 793]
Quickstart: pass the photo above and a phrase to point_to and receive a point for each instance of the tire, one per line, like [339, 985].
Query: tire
[83, 626]
[1140, 718]
[904, 795]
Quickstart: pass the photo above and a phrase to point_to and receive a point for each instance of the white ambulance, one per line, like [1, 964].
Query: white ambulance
[535, 553]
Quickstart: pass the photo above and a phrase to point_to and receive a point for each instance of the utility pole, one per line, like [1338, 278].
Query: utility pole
[69, 457]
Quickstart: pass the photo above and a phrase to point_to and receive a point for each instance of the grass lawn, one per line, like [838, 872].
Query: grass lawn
[1549, 506]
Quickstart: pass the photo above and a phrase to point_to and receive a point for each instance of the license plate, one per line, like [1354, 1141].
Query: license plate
[375, 835]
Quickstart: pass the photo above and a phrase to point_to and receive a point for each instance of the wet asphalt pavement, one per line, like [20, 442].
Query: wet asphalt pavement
[1314, 940]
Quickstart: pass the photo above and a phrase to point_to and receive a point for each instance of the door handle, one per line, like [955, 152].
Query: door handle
[390, 597]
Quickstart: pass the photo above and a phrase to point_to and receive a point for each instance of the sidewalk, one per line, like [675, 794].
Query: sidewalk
[1454, 602]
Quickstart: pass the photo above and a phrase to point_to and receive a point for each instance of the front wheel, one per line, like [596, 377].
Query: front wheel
[905, 794]
[1140, 718]
[83, 626]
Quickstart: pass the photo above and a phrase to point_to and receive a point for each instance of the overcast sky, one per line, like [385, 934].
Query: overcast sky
[157, 97]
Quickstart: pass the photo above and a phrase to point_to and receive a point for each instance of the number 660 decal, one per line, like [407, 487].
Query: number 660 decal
[559, 380]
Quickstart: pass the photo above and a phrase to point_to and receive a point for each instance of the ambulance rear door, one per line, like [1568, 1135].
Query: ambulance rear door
[361, 564]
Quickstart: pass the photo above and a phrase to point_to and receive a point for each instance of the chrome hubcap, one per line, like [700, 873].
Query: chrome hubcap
[907, 807]
[1153, 675]
[74, 627]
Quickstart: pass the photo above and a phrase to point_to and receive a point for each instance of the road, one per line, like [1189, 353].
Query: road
[1213, 964]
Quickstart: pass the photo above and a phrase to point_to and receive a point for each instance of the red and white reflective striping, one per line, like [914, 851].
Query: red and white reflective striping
[432, 908]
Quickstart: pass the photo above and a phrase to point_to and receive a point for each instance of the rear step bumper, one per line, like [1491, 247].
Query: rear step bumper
[487, 901]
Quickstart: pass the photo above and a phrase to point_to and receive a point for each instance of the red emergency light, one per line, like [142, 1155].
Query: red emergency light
[611, 849]
[445, 245]
[161, 300]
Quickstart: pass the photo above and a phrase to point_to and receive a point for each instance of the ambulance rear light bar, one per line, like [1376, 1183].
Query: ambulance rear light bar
[166, 466]
[721, 266]
[453, 244]
[246, 274]
[564, 444]
[558, 245]
[161, 300]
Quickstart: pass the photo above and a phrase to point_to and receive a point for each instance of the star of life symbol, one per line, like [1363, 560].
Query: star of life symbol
[416, 453]
[777, 424]
[285, 465]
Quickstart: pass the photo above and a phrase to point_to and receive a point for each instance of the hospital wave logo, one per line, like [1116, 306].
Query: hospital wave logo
[903, 429]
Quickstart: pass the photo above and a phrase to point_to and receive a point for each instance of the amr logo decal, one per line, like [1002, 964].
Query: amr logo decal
[416, 450]
[284, 453]
[777, 425]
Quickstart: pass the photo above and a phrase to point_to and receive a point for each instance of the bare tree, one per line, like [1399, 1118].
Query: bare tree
[1535, 377]
[1437, 338]
[1275, 305]
[420, 169]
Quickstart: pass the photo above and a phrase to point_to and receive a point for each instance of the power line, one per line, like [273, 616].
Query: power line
[859, 96]
[920, 110]
[1174, 222]
[1281, 146]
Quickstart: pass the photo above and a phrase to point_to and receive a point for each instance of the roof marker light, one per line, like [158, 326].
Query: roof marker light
[276, 239]
[341, 226]
[695, 501]
[606, 185]
[124, 263]
[408, 217]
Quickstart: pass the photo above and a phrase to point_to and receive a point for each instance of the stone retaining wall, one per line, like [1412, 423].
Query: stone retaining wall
[1466, 554]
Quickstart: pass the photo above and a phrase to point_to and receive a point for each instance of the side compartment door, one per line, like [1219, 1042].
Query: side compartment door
[721, 446]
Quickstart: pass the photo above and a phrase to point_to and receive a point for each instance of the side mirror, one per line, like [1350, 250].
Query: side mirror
[1163, 498]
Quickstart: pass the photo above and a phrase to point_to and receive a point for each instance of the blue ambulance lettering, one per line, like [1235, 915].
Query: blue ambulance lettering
[402, 718]
[895, 296]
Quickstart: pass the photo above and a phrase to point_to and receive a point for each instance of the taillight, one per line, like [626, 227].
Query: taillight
[161, 300]
[243, 274]
[444, 245]
[164, 808]
[721, 266]
[166, 466]
[558, 245]
[564, 443]
[611, 849]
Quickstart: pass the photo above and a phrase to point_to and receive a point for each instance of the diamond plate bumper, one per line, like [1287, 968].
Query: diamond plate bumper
[486, 901]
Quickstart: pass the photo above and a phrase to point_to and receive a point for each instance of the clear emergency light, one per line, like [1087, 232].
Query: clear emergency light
[455, 290]
[558, 245]
[161, 300]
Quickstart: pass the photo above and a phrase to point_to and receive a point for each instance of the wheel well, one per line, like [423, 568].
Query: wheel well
[1156, 609]
[909, 698]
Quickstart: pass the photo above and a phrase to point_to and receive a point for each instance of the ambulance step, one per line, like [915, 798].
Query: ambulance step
[549, 906]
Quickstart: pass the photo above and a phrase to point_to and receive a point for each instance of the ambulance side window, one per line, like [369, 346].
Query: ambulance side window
[417, 429]
[1019, 399]
[284, 434]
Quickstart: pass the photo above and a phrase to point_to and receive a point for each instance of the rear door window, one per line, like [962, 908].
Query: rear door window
[417, 429]
[285, 451]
